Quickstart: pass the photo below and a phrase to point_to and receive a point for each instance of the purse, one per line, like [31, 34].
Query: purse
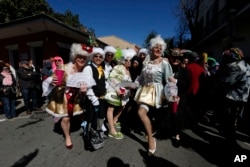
[93, 140]
[146, 95]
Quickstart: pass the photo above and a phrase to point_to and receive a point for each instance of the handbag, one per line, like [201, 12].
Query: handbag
[113, 98]
[146, 95]
[93, 140]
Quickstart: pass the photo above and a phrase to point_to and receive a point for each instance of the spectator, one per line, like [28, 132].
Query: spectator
[7, 91]
[27, 80]
[47, 69]
[38, 78]
[195, 71]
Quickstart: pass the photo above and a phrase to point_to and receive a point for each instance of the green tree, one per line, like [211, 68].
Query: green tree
[16, 9]
[68, 18]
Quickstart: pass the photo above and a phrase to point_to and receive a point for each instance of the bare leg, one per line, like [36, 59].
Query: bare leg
[116, 117]
[110, 118]
[148, 127]
[65, 124]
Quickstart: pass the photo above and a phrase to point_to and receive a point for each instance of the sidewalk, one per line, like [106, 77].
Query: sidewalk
[21, 113]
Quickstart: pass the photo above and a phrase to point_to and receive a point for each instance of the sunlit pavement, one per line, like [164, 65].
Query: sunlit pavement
[30, 141]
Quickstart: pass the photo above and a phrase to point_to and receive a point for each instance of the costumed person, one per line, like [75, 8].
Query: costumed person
[118, 94]
[95, 104]
[7, 91]
[108, 64]
[66, 89]
[57, 63]
[109, 53]
[178, 118]
[143, 56]
[136, 67]
[129, 118]
[234, 75]
[152, 80]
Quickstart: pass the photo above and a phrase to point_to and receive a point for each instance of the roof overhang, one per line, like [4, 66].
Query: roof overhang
[36, 24]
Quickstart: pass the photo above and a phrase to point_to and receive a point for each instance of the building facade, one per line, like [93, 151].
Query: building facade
[38, 37]
[223, 24]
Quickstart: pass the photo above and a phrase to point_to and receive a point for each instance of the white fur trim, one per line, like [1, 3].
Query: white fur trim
[63, 115]
[109, 49]
[144, 106]
[143, 50]
[97, 51]
[77, 49]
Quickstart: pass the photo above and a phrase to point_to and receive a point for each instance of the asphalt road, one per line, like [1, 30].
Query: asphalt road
[31, 141]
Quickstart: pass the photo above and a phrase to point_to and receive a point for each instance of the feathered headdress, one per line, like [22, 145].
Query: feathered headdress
[118, 54]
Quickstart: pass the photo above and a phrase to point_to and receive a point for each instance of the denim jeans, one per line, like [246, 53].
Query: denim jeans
[9, 106]
[30, 99]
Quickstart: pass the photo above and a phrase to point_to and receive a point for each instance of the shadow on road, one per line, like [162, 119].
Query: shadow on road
[214, 148]
[153, 161]
[30, 123]
[26, 159]
[116, 162]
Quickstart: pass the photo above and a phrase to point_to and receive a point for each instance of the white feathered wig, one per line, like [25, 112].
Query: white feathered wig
[157, 40]
[97, 50]
[79, 49]
[127, 54]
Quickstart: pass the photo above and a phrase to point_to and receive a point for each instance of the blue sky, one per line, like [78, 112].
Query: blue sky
[131, 20]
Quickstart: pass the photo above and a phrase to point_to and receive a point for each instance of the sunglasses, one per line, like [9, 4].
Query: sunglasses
[142, 54]
[110, 55]
[97, 56]
[57, 60]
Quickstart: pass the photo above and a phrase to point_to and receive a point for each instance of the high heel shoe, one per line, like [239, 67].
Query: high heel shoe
[176, 143]
[152, 151]
[69, 147]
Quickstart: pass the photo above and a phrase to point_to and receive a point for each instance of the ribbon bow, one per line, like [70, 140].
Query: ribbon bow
[87, 48]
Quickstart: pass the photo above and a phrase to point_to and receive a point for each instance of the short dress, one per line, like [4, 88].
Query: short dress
[66, 100]
[156, 74]
[117, 76]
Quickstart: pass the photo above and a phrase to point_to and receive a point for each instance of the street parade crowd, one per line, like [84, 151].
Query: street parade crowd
[109, 90]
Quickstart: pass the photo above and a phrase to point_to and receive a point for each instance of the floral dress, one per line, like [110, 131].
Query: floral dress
[117, 76]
